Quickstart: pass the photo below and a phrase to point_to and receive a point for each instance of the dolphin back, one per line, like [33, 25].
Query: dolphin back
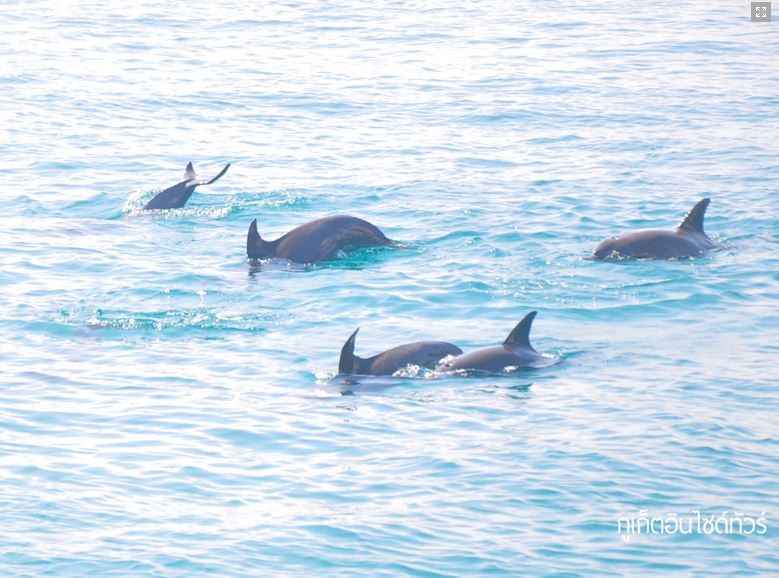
[515, 352]
[687, 240]
[424, 354]
[322, 239]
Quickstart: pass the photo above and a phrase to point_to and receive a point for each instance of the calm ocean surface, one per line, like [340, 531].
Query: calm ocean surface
[167, 411]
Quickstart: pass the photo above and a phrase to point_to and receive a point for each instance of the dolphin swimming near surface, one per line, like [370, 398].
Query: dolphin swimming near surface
[425, 354]
[515, 353]
[177, 196]
[316, 241]
[687, 240]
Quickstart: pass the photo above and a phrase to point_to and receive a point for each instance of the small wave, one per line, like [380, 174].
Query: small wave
[287, 199]
[167, 321]
[352, 260]
[133, 208]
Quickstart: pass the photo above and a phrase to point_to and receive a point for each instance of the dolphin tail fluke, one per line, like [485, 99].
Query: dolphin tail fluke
[694, 219]
[189, 172]
[520, 335]
[217, 177]
[348, 361]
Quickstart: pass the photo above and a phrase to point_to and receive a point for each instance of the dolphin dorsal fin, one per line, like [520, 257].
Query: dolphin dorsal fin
[189, 172]
[254, 243]
[520, 335]
[347, 361]
[694, 219]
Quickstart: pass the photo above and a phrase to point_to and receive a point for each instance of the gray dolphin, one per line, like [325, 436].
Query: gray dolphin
[422, 353]
[177, 196]
[316, 241]
[516, 352]
[687, 240]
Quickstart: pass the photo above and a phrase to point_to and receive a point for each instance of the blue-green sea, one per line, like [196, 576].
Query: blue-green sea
[169, 410]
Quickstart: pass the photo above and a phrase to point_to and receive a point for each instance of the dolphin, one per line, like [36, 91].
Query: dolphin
[316, 241]
[516, 352]
[422, 353]
[177, 196]
[687, 240]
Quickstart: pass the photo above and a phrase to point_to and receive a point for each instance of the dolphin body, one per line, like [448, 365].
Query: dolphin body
[688, 240]
[316, 241]
[515, 353]
[177, 196]
[422, 353]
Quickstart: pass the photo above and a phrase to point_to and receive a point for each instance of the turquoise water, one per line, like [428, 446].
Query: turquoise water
[165, 410]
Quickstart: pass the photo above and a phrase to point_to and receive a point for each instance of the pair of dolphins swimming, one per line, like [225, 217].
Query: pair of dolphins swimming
[322, 239]
[514, 353]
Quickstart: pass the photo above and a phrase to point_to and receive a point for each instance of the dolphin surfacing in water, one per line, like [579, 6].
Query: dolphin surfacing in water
[316, 241]
[425, 354]
[688, 240]
[177, 196]
[515, 353]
